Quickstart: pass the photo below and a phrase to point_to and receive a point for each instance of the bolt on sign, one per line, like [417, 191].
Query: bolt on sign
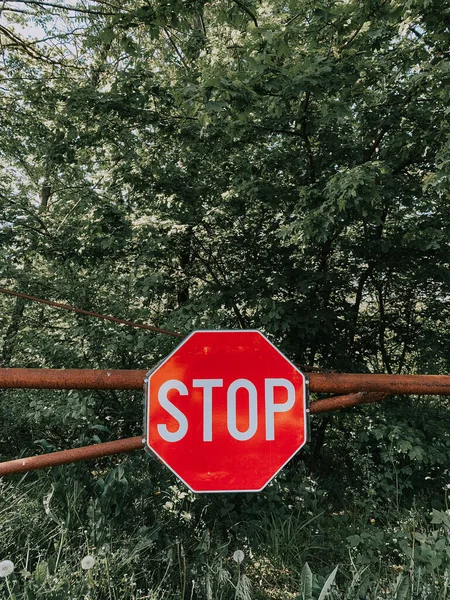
[225, 411]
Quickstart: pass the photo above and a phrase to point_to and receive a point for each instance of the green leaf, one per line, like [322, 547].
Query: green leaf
[107, 34]
[402, 588]
[306, 583]
[354, 540]
[328, 583]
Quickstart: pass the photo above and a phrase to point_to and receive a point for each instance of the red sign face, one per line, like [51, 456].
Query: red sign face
[226, 411]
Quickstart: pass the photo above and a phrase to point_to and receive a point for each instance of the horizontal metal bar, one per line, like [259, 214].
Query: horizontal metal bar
[333, 383]
[72, 379]
[347, 401]
[31, 463]
[345, 383]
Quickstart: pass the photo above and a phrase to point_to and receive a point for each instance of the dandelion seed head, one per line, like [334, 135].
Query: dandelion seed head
[238, 556]
[6, 568]
[88, 562]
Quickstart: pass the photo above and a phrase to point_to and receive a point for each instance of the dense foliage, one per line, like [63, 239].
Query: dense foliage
[280, 165]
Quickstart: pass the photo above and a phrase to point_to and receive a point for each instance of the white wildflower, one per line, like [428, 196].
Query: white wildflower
[238, 556]
[6, 568]
[88, 562]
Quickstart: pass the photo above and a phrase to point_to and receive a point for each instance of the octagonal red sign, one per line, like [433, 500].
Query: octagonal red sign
[225, 411]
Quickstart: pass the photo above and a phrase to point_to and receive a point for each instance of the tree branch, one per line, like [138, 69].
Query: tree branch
[247, 10]
[68, 8]
[180, 55]
[369, 152]
[292, 19]
[305, 137]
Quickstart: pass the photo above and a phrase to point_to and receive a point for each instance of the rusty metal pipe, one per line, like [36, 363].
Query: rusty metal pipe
[345, 383]
[333, 383]
[63, 457]
[347, 401]
[72, 379]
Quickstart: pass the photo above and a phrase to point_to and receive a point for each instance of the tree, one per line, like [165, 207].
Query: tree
[280, 166]
[222, 165]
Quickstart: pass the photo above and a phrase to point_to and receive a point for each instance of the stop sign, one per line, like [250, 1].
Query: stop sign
[225, 411]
